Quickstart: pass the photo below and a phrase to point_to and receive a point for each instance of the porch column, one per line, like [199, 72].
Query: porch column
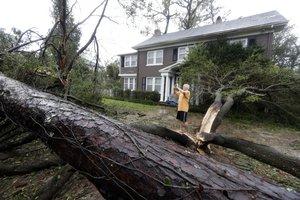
[167, 90]
[172, 84]
[162, 88]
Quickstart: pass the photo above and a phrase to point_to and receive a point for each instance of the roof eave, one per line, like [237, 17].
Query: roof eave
[126, 54]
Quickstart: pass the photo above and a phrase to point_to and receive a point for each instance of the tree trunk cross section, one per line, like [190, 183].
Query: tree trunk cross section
[125, 162]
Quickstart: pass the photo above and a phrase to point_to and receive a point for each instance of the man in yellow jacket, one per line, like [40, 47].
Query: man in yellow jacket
[183, 104]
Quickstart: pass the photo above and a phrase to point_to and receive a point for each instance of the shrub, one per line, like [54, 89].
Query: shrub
[154, 96]
[118, 92]
[126, 94]
[137, 96]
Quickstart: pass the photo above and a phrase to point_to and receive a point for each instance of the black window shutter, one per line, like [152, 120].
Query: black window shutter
[175, 54]
[144, 83]
[122, 61]
[252, 42]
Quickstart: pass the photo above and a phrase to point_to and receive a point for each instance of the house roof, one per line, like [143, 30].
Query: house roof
[272, 19]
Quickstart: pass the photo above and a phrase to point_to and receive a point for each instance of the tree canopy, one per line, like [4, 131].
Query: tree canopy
[286, 49]
[185, 14]
[229, 70]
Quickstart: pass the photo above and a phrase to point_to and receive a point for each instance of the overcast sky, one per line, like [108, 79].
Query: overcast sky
[117, 38]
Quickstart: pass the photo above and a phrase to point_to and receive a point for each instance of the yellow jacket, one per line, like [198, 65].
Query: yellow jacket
[183, 100]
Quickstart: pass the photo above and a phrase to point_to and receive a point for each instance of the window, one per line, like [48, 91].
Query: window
[131, 61]
[153, 84]
[129, 83]
[243, 42]
[155, 57]
[182, 52]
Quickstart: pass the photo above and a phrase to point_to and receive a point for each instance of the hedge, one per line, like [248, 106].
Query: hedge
[136, 95]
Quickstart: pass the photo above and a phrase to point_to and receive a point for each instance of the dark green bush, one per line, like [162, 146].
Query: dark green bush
[118, 93]
[154, 96]
[136, 96]
[126, 94]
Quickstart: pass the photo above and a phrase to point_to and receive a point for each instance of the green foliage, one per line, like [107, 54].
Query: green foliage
[112, 70]
[251, 99]
[168, 181]
[111, 77]
[137, 96]
[28, 69]
[217, 65]
[86, 84]
[286, 49]
[5, 40]
[246, 74]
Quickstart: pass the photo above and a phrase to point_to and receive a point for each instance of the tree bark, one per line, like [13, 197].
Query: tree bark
[181, 139]
[11, 133]
[126, 163]
[224, 110]
[53, 186]
[5, 124]
[24, 140]
[259, 152]
[9, 170]
[18, 152]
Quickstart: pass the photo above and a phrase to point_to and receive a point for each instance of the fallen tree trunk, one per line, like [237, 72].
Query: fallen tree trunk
[166, 133]
[259, 152]
[124, 162]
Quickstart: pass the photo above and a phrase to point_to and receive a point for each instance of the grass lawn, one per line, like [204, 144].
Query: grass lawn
[126, 106]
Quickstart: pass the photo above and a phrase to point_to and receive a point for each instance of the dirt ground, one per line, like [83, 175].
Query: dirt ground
[285, 140]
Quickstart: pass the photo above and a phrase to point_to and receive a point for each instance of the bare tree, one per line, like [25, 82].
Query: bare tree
[161, 14]
[193, 14]
[65, 58]
[213, 12]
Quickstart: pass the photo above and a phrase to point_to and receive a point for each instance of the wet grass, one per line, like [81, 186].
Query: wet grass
[125, 106]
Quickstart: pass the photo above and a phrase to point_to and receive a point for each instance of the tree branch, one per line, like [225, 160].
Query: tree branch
[91, 38]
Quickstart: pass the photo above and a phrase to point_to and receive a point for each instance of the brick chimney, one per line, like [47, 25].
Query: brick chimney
[157, 32]
[219, 20]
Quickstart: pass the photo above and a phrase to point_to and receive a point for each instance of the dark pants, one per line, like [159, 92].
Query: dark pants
[182, 116]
